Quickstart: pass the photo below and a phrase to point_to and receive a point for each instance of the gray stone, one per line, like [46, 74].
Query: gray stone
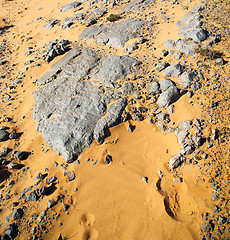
[4, 135]
[197, 35]
[114, 68]
[192, 24]
[51, 23]
[108, 159]
[181, 136]
[4, 152]
[153, 88]
[175, 161]
[135, 5]
[165, 84]
[173, 71]
[33, 196]
[67, 23]
[69, 111]
[186, 79]
[69, 6]
[161, 66]
[207, 227]
[168, 97]
[113, 117]
[185, 125]
[169, 44]
[17, 214]
[185, 47]
[115, 34]
[51, 180]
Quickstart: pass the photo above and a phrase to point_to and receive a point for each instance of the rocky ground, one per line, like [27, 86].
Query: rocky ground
[114, 120]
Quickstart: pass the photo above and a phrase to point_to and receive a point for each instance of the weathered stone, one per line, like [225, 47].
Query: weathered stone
[114, 68]
[69, 6]
[113, 117]
[187, 79]
[181, 136]
[166, 83]
[33, 196]
[175, 161]
[114, 35]
[70, 176]
[161, 66]
[173, 71]
[197, 35]
[185, 47]
[4, 135]
[168, 97]
[153, 88]
[185, 125]
[207, 227]
[169, 44]
[17, 214]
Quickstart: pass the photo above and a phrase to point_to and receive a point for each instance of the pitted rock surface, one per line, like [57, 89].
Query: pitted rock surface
[68, 111]
[114, 35]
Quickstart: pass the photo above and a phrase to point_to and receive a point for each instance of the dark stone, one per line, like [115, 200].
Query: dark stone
[108, 159]
[17, 214]
[33, 196]
[4, 135]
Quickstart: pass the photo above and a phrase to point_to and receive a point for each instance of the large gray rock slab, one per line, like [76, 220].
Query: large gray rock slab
[114, 68]
[115, 34]
[166, 83]
[135, 5]
[168, 97]
[69, 6]
[67, 110]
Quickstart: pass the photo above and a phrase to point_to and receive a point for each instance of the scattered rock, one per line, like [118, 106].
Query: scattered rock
[70, 176]
[108, 159]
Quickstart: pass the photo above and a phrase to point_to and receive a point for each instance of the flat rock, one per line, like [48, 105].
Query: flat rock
[115, 34]
[135, 5]
[114, 68]
[69, 111]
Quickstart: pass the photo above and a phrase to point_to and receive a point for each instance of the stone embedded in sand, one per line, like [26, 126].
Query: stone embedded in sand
[185, 125]
[173, 71]
[68, 111]
[4, 135]
[113, 117]
[166, 83]
[114, 68]
[197, 35]
[168, 97]
[185, 47]
[33, 196]
[161, 66]
[115, 34]
[169, 44]
[70, 176]
[208, 227]
[175, 161]
[153, 88]
[17, 214]
[69, 6]
[108, 159]
[135, 5]
[145, 179]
